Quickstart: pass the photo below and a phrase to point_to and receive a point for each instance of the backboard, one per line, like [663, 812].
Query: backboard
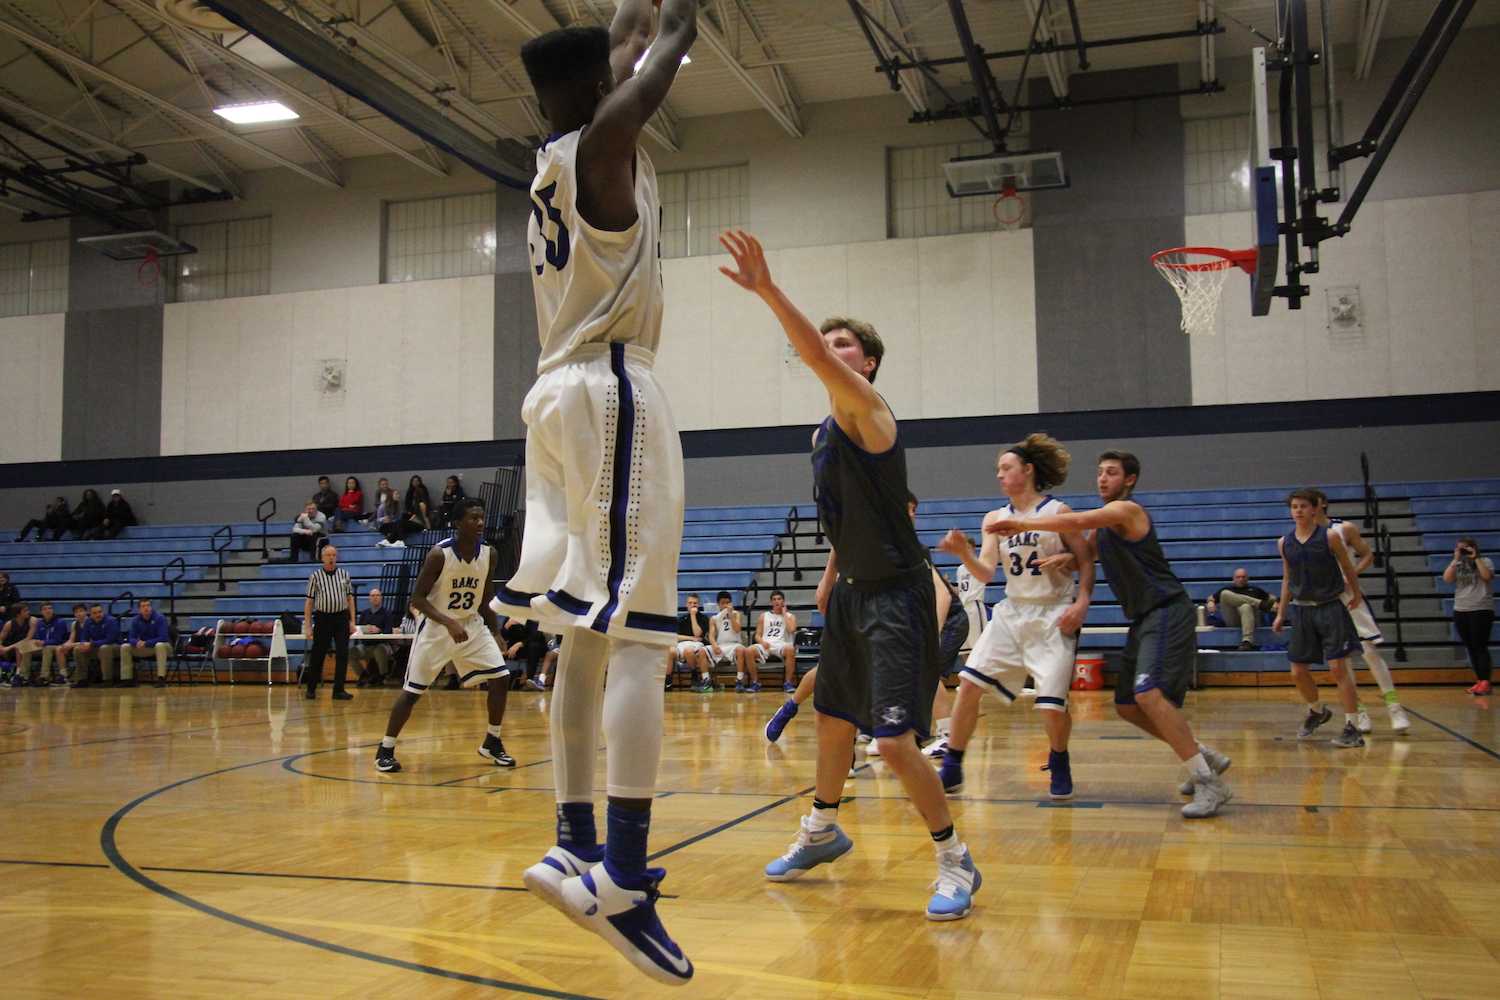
[1264, 219]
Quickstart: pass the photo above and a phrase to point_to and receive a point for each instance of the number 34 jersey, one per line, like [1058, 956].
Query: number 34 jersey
[592, 286]
[1021, 554]
[461, 583]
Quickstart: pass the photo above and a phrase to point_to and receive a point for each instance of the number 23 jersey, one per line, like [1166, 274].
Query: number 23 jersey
[591, 285]
[461, 583]
[1020, 555]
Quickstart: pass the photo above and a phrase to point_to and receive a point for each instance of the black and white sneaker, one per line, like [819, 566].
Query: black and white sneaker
[385, 760]
[493, 750]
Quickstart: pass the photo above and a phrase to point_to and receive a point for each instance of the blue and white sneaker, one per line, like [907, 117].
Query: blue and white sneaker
[626, 918]
[786, 713]
[951, 773]
[753, 687]
[545, 878]
[953, 891]
[1060, 769]
[809, 850]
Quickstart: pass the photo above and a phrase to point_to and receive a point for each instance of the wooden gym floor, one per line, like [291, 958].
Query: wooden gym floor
[238, 841]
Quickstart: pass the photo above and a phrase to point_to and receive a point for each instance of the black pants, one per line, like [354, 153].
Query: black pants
[1474, 629]
[42, 527]
[327, 627]
[311, 544]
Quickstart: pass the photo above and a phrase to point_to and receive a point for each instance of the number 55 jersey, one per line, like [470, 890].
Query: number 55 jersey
[1023, 636]
[604, 495]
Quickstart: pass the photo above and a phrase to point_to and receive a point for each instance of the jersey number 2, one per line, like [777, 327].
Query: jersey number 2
[461, 600]
[1016, 569]
[558, 250]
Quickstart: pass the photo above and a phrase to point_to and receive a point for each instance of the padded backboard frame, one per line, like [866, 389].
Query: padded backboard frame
[137, 245]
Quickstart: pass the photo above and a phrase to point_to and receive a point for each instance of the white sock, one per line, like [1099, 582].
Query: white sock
[574, 713]
[494, 731]
[940, 728]
[822, 819]
[389, 742]
[633, 718]
[1198, 767]
[739, 676]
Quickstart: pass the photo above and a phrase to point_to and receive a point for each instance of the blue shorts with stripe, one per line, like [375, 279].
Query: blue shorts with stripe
[1160, 650]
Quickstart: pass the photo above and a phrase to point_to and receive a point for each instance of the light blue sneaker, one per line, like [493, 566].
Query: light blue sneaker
[809, 850]
[786, 713]
[627, 919]
[953, 891]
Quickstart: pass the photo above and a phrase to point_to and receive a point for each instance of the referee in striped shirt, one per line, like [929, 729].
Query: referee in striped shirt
[328, 616]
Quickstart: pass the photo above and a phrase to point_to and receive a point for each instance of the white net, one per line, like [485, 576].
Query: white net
[1198, 281]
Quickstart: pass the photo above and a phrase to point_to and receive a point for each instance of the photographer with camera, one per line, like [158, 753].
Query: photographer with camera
[1473, 576]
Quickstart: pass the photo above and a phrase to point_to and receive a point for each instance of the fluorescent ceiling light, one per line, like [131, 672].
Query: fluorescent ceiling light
[256, 112]
[642, 60]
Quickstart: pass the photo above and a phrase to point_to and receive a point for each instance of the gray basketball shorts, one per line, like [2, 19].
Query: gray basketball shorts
[1321, 632]
[878, 665]
[1159, 653]
[951, 640]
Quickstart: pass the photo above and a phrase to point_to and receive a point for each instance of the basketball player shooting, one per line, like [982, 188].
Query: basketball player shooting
[599, 557]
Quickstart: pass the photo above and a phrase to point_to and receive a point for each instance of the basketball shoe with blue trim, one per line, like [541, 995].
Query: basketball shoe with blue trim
[810, 849]
[545, 878]
[953, 891]
[627, 919]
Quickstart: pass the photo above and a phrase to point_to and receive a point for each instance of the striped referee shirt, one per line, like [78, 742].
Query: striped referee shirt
[330, 592]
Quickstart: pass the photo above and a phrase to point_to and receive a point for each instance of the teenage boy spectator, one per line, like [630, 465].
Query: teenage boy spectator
[18, 644]
[351, 505]
[326, 500]
[117, 517]
[79, 675]
[692, 634]
[149, 633]
[309, 531]
[52, 632]
[1241, 604]
[100, 638]
[55, 520]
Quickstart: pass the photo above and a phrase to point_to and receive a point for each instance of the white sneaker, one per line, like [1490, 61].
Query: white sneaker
[1208, 797]
[1362, 722]
[545, 878]
[1399, 722]
[626, 919]
[936, 748]
[1217, 762]
[872, 749]
[861, 737]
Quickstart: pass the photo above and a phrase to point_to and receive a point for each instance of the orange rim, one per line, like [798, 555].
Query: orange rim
[1221, 259]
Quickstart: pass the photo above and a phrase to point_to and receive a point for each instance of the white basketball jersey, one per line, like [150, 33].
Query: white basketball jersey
[971, 596]
[592, 286]
[725, 631]
[460, 585]
[1338, 526]
[1019, 555]
[775, 628]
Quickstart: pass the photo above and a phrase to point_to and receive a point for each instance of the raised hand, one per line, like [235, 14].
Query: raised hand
[751, 271]
[955, 543]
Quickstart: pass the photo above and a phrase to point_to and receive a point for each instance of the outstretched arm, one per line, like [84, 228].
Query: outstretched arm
[629, 36]
[857, 407]
[610, 139]
[1126, 516]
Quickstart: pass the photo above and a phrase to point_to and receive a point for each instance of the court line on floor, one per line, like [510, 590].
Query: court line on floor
[108, 842]
[1454, 733]
[177, 732]
[286, 875]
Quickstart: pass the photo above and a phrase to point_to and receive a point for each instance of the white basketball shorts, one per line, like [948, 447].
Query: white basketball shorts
[1021, 639]
[603, 500]
[477, 659]
[1364, 619]
[726, 653]
[778, 653]
[686, 647]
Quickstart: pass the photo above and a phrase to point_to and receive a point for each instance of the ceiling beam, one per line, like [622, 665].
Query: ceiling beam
[913, 86]
[1051, 61]
[319, 55]
[227, 55]
[1371, 21]
[712, 36]
[1208, 68]
[783, 82]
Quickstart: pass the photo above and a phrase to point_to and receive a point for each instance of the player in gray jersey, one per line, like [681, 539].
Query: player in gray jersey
[1157, 663]
[1316, 571]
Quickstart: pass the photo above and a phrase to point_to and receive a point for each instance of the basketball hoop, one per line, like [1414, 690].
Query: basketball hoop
[1197, 275]
[1009, 208]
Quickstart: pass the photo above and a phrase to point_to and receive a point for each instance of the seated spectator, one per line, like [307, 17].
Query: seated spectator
[725, 639]
[51, 632]
[1241, 604]
[9, 595]
[309, 532]
[691, 649]
[55, 520]
[373, 659]
[117, 517]
[79, 675]
[549, 664]
[149, 633]
[351, 505]
[453, 492]
[18, 643]
[1473, 579]
[325, 499]
[388, 518]
[522, 642]
[101, 637]
[87, 516]
[416, 510]
[774, 641]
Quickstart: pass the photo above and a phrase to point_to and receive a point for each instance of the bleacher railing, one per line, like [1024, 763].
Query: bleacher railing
[264, 515]
[1392, 602]
[220, 540]
[1371, 498]
[170, 582]
[127, 598]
